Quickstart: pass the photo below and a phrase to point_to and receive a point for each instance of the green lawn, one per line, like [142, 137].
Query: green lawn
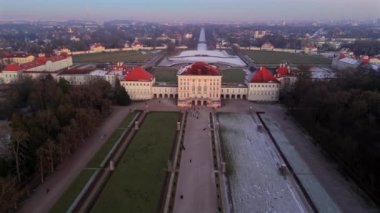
[73, 191]
[136, 184]
[233, 76]
[269, 57]
[119, 56]
[165, 75]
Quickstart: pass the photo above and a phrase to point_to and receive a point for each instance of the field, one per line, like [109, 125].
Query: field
[269, 57]
[165, 75]
[119, 56]
[136, 184]
[233, 76]
[73, 191]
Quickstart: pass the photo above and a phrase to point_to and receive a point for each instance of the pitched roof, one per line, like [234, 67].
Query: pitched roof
[32, 64]
[201, 68]
[138, 74]
[13, 67]
[263, 75]
[282, 70]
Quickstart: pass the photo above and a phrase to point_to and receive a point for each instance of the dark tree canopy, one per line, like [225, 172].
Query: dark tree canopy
[49, 120]
[343, 116]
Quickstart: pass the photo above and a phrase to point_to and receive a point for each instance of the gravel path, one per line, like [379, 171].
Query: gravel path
[196, 181]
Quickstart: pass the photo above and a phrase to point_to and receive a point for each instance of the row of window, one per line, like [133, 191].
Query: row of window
[135, 84]
[187, 95]
[10, 75]
[264, 93]
[265, 85]
[233, 90]
[139, 92]
[211, 83]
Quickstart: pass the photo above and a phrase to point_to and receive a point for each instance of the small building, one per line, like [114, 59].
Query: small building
[285, 76]
[263, 86]
[62, 51]
[310, 49]
[17, 58]
[97, 47]
[260, 34]
[267, 46]
[138, 83]
[343, 63]
[188, 35]
[42, 65]
[374, 60]
[11, 73]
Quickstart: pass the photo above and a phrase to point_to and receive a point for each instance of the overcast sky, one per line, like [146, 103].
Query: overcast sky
[190, 10]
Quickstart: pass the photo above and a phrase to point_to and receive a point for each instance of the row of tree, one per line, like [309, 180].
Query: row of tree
[49, 120]
[343, 116]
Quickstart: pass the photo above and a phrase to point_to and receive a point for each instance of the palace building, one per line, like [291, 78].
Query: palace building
[201, 84]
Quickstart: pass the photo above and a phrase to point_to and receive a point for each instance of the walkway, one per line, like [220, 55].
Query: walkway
[66, 173]
[196, 181]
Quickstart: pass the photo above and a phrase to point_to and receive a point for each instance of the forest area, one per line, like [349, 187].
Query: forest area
[343, 117]
[48, 120]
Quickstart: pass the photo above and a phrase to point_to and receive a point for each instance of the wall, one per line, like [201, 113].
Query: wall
[139, 90]
[263, 91]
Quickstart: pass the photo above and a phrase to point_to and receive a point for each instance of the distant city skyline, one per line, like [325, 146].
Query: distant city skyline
[190, 10]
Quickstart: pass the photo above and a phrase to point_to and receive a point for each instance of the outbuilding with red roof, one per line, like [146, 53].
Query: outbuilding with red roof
[263, 86]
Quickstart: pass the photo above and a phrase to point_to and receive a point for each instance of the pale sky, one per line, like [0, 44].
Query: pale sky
[190, 10]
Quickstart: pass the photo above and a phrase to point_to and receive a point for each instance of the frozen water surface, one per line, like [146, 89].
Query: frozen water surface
[255, 182]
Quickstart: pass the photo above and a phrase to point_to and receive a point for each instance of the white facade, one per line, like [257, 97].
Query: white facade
[139, 90]
[9, 76]
[199, 90]
[234, 92]
[287, 82]
[84, 78]
[165, 91]
[263, 91]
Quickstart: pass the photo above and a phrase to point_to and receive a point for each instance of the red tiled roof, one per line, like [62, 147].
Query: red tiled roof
[32, 64]
[263, 76]
[201, 68]
[42, 59]
[282, 70]
[13, 67]
[342, 56]
[138, 74]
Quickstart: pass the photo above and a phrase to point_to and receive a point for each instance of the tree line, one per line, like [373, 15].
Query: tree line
[49, 120]
[343, 116]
